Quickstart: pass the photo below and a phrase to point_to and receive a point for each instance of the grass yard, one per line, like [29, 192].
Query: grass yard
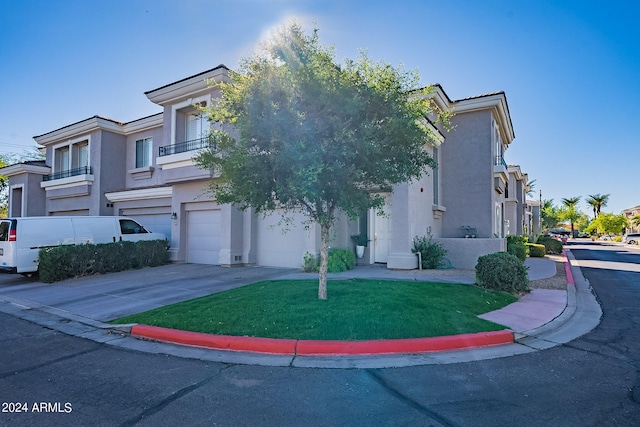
[356, 310]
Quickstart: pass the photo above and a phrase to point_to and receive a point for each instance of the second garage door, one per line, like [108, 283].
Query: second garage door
[203, 236]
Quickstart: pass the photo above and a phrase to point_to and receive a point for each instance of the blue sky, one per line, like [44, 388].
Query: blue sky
[570, 69]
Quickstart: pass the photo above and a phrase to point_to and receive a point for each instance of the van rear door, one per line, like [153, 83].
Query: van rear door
[8, 244]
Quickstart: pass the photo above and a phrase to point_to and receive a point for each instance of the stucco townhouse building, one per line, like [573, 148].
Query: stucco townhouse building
[144, 169]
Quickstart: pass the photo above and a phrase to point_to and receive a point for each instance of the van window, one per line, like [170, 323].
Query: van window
[4, 230]
[128, 226]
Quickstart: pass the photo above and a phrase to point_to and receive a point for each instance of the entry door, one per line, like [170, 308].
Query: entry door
[381, 236]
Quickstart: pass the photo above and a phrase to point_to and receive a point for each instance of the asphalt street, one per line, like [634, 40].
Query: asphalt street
[592, 380]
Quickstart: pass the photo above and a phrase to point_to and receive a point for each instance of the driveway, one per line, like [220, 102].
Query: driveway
[114, 295]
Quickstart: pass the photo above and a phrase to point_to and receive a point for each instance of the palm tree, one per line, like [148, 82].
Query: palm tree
[636, 220]
[597, 201]
[549, 214]
[530, 186]
[571, 213]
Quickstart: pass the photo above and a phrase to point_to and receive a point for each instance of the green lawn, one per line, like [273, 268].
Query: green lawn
[355, 310]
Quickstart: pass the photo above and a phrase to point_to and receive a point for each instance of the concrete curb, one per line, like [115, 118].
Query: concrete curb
[326, 348]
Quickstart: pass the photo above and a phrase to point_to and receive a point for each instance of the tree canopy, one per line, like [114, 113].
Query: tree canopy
[550, 214]
[308, 135]
[607, 223]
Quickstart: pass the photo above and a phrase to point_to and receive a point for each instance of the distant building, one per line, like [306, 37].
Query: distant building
[630, 213]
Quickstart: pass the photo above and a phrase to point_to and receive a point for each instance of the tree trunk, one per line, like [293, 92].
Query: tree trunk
[324, 261]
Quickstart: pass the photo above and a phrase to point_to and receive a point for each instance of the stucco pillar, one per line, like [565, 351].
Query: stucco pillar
[400, 255]
[232, 237]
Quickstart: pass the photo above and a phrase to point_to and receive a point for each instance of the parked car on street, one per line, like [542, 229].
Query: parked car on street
[631, 238]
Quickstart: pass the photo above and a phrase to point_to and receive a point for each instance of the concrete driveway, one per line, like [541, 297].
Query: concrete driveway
[114, 295]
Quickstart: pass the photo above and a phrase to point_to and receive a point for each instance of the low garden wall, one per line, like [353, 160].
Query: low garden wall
[464, 253]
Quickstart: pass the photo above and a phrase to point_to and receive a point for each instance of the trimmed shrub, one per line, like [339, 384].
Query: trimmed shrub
[502, 271]
[551, 245]
[432, 253]
[310, 263]
[516, 245]
[63, 262]
[341, 260]
[536, 251]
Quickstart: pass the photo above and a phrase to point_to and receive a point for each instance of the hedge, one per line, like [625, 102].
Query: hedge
[431, 253]
[341, 260]
[536, 251]
[551, 245]
[63, 262]
[516, 245]
[502, 271]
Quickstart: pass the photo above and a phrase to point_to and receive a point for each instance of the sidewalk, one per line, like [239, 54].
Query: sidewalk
[539, 320]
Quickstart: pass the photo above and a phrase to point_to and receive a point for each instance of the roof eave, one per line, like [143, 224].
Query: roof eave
[193, 86]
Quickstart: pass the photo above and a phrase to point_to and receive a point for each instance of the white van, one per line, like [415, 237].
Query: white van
[22, 238]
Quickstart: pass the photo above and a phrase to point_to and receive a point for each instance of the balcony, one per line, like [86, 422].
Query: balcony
[68, 183]
[86, 170]
[499, 161]
[183, 147]
[500, 174]
[176, 161]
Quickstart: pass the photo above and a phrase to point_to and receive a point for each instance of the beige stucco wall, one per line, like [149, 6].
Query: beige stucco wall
[464, 253]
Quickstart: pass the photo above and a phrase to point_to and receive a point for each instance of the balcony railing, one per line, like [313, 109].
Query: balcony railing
[182, 147]
[86, 170]
[499, 160]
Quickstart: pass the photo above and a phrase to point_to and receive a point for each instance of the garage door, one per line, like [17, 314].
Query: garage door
[203, 237]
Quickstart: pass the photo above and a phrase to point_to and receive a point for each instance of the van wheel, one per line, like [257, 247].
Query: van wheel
[632, 242]
[29, 275]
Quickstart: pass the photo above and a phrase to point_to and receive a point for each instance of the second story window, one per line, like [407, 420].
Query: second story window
[82, 155]
[197, 126]
[71, 158]
[63, 160]
[144, 152]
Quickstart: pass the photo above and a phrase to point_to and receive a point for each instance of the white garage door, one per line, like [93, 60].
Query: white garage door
[203, 237]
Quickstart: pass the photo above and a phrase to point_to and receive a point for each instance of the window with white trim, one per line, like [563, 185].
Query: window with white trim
[81, 156]
[144, 152]
[63, 158]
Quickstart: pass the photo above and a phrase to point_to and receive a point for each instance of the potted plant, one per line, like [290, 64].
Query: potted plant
[360, 241]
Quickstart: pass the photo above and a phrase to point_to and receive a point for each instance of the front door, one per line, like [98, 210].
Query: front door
[381, 235]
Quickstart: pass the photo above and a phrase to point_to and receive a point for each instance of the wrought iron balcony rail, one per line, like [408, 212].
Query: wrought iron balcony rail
[499, 160]
[182, 147]
[86, 170]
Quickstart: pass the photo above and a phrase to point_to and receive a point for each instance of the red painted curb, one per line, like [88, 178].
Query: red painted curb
[567, 269]
[411, 345]
[221, 342]
[312, 347]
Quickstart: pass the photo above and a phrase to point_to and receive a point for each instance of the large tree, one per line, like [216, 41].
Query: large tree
[597, 202]
[570, 213]
[316, 137]
[608, 223]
